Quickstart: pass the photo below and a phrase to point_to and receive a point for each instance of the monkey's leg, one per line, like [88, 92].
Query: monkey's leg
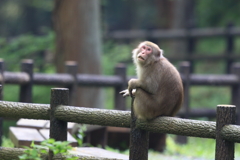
[144, 105]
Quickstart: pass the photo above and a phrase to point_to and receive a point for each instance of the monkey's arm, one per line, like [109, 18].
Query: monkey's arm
[148, 86]
[133, 84]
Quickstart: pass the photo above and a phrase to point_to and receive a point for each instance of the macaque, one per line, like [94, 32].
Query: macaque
[158, 89]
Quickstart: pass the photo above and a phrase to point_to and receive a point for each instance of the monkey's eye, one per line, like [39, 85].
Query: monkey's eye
[149, 49]
[143, 47]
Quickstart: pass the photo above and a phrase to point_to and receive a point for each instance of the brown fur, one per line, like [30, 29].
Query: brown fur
[159, 90]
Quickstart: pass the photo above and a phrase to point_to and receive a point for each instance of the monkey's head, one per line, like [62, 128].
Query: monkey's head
[146, 53]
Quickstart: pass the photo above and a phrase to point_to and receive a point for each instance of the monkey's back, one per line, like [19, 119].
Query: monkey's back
[169, 93]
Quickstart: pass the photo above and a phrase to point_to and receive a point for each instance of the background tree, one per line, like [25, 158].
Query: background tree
[77, 28]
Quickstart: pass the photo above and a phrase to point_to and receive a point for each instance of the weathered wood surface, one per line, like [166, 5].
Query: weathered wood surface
[58, 128]
[24, 136]
[24, 110]
[226, 114]
[95, 116]
[25, 94]
[139, 139]
[184, 127]
[231, 133]
[104, 117]
[32, 123]
[39, 124]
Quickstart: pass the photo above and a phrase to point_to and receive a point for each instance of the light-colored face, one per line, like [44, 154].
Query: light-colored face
[146, 53]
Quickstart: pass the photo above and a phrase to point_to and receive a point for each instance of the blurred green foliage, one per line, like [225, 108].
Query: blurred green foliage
[113, 54]
[27, 46]
[6, 142]
[195, 148]
[216, 13]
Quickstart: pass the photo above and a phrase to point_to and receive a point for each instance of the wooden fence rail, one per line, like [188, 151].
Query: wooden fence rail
[190, 36]
[174, 34]
[59, 113]
[27, 79]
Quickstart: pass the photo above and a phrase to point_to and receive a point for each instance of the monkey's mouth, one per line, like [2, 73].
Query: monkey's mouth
[141, 58]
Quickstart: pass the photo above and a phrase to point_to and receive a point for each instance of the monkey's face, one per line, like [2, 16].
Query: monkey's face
[143, 53]
[146, 53]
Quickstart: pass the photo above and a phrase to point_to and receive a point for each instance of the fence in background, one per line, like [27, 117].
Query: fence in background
[59, 113]
[27, 79]
[190, 36]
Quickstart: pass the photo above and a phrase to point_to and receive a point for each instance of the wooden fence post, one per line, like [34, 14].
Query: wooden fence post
[1, 77]
[230, 48]
[185, 70]
[1, 97]
[72, 69]
[139, 140]
[26, 89]
[58, 128]
[1, 121]
[226, 114]
[120, 102]
[190, 49]
[236, 89]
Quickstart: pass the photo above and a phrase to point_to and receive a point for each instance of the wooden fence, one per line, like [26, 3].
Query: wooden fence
[190, 36]
[27, 79]
[59, 113]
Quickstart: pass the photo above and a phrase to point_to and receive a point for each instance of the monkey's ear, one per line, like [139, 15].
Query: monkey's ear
[161, 53]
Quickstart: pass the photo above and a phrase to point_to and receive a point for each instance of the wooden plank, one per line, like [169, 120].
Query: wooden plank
[91, 128]
[32, 123]
[24, 136]
[70, 138]
[38, 124]
[118, 129]
[98, 153]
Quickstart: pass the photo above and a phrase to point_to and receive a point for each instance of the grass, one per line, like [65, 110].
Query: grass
[196, 148]
[6, 142]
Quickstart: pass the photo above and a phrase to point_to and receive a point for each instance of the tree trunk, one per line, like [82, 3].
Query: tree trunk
[179, 21]
[77, 26]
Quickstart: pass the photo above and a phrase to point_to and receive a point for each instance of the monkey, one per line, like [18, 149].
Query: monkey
[158, 89]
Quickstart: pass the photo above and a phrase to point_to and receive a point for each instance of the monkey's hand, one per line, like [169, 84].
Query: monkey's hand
[125, 92]
[132, 85]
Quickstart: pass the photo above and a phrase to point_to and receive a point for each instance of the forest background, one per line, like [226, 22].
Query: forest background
[28, 31]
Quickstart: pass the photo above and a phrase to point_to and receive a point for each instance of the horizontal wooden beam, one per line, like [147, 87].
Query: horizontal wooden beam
[95, 116]
[179, 126]
[18, 110]
[173, 33]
